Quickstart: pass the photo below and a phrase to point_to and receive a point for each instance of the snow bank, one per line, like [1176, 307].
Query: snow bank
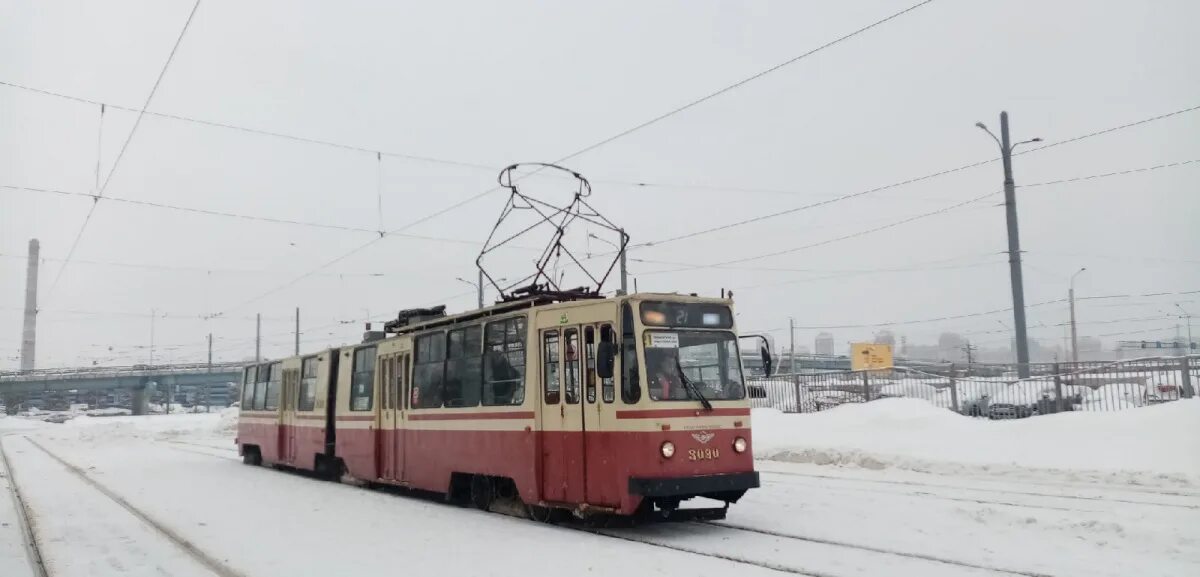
[1149, 445]
[155, 427]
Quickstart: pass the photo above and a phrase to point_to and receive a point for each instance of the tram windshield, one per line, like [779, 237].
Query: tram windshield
[693, 365]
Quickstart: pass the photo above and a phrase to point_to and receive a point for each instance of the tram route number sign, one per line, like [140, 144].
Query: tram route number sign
[870, 356]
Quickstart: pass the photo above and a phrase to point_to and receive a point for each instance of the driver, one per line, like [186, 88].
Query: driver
[665, 383]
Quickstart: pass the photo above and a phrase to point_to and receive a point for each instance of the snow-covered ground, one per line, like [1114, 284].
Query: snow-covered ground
[894, 487]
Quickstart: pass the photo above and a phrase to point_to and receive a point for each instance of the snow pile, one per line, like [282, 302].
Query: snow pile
[10, 423]
[152, 427]
[1150, 445]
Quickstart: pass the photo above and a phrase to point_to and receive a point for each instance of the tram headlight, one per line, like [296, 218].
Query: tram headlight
[739, 445]
[667, 449]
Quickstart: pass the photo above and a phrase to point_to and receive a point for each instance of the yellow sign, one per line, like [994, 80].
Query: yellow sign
[867, 356]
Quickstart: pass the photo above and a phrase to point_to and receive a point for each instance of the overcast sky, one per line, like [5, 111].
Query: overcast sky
[486, 84]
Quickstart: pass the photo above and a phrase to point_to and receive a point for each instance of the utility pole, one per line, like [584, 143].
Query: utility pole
[1188, 317]
[624, 272]
[1014, 242]
[258, 337]
[1074, 334]
[297, 330]
[479, 285]
[210, 352]
[153, 314]
[970, 350]
[792, 345]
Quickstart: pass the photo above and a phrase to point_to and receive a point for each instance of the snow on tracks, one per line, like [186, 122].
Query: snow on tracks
[19, 553]
[83, 528]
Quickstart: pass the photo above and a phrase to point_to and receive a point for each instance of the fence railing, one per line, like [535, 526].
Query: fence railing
[991, 391]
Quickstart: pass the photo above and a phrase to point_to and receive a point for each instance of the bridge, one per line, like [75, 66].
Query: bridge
[138, 379]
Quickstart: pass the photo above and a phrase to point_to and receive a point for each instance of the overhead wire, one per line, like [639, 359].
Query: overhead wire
[125, 146]
[913, 218]
[915, 180]
[249, 130]
[588, 148]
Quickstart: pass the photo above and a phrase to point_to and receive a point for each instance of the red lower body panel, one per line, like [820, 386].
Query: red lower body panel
[566, 468]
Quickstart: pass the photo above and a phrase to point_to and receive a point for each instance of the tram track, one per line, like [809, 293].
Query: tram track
[24, 522]
[929, 495]
[927, 564]
[206, 560]
[989, 490]
[882, 550]
[213, 452]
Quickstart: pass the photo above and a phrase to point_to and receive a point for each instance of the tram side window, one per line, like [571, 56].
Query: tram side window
[571, 366]
[550, 367]
[308, 384]
[606, 385]
[589, 363]
[260, 388]
[504, 363]
[631, 390]
[428, 371]
[362, 382]
[464, 367]
[248, 377]
[273, 386]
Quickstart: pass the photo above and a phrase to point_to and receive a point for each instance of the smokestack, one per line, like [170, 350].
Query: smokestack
[29, 331]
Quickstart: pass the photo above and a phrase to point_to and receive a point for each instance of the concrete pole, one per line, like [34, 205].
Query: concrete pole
[210, 352]
[1074, 334]
[29, 328]
[479, 286]
[1014, 250]
[258, 337]
[792, 345]
[153, 314]
[624, 271]
[297, 331]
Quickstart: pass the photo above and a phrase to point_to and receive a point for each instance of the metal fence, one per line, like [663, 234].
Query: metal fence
[991, 391]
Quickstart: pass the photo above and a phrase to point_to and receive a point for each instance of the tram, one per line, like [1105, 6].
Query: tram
[628, 405]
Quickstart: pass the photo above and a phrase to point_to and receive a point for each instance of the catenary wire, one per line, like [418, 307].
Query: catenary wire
[910, 181]
[584, 150]
[125, 146]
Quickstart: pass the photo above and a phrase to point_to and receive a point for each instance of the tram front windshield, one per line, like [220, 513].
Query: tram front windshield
[689, 364]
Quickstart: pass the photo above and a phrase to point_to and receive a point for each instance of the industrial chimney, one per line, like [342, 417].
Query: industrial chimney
[29, 331]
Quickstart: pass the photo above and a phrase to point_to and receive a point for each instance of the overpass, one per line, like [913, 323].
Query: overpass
[140, 379]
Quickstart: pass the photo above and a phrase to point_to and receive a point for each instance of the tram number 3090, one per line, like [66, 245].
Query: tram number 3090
[703, 454]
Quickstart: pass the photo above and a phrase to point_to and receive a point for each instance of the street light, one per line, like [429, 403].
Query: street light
[621, 252]
[1187, 316]
[478, 285]
[1074, 335]
[1014, 242]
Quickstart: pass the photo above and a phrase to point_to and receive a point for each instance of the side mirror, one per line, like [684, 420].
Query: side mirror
[764, 351]
[606, 355]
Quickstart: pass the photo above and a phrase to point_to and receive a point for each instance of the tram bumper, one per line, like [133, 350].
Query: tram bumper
[728, 487]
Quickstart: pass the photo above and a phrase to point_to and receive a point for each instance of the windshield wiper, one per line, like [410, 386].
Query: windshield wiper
[692, 387]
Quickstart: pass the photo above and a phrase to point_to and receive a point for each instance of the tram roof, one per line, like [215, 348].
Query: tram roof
[543, 301]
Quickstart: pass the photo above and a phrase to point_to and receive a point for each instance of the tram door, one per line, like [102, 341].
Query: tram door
[385, 433]
[389, 449]
[562, 415]
[599, 421]
[287, 418]
[400, 396]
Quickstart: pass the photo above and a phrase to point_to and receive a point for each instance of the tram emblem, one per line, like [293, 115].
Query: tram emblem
[704, 437]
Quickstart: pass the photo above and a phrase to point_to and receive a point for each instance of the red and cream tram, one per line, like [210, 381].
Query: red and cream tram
[626, 405]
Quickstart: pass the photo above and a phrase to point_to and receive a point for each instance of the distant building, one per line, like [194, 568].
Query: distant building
[952, 347]
[824, 344]
[885, 337]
